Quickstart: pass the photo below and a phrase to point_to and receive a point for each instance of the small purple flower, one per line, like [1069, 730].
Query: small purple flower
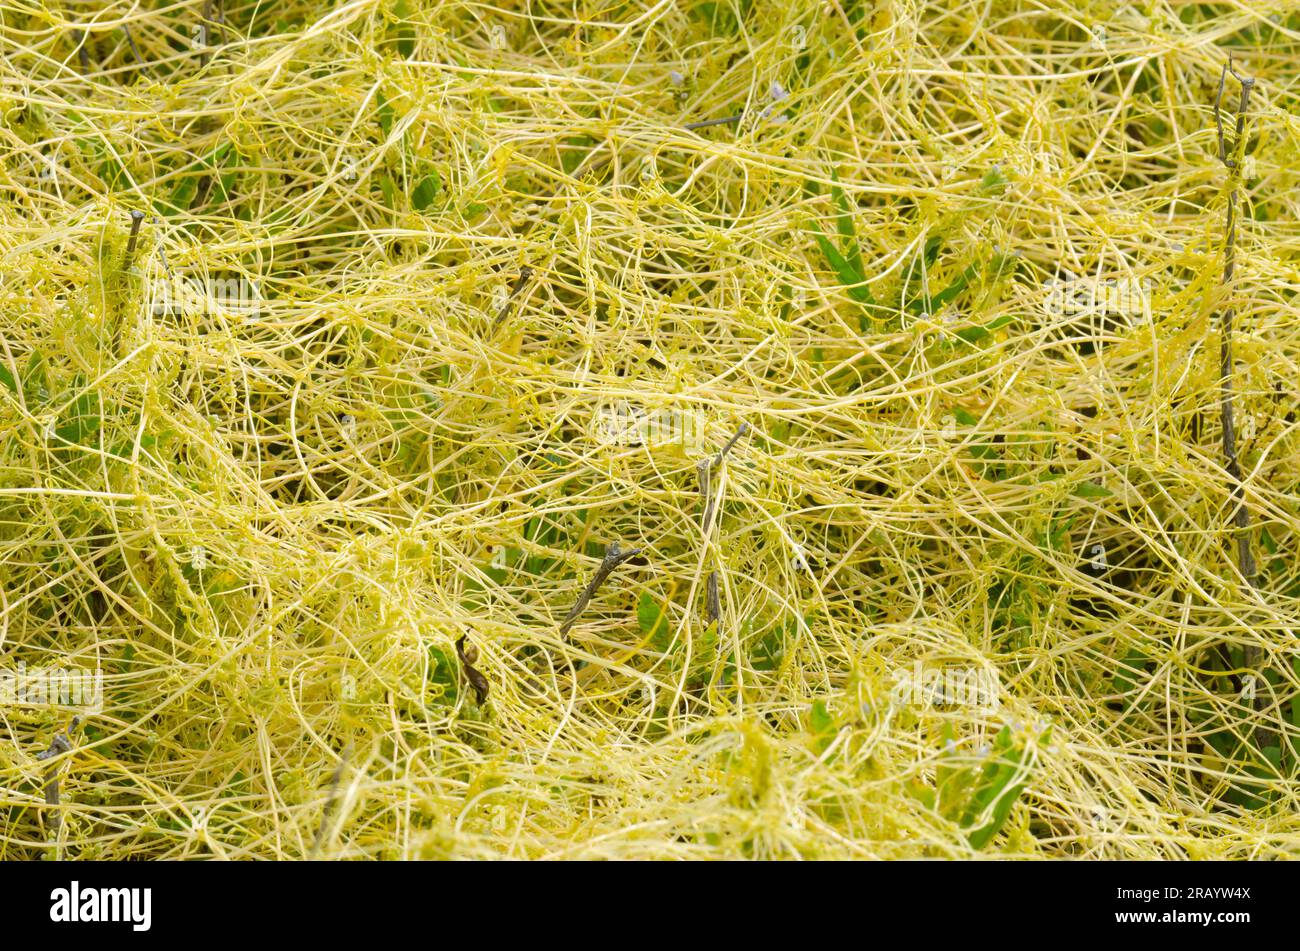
[777, 93]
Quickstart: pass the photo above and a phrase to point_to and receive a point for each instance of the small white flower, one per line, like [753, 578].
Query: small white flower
[1248, 427]
[777, 92]
[676, 78]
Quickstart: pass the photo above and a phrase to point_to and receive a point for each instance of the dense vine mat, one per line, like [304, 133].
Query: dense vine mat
[304, 469]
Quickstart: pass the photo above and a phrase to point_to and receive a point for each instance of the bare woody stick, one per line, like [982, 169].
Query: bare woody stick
[712, 601]
[130, 41]
[525, 273]
[468, 655]
[217, 19]
[137, 218]
[1231, 159]
[79, 36]
[614, 556]
[61, 744]
[705, 470]
[709, 123]
[328, 812]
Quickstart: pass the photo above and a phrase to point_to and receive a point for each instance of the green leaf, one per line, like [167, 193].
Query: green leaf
[81, 420]
[36, 382]
[976, 334]
[993, 790]
[959, 284]
[994, 182]
[1295, 700]
[426, 192]
[443, 675]
[921, 793]
[1091, 490]
[499, 567]
[847, 265]
[573, 151]
[1001, 811]
[1273, 756]
[1130, 669]
[844, 224]
[913, 295]
[112, 174]
[652, 621]
[972, 334]
[853, 281]
[405, 29]
[541, 531]
[769, 648]
[223, 163]
[183, 194]
[821, 723]
[389, 188]
[384, 113]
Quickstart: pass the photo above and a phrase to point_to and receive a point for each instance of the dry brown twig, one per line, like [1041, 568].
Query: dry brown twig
[614, 556]
[62, 743]
[1231, 158]
[712, 600]
[468, 654]
[328, 812]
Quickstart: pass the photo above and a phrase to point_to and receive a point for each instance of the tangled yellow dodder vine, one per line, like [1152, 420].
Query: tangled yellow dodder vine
[435, 313]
